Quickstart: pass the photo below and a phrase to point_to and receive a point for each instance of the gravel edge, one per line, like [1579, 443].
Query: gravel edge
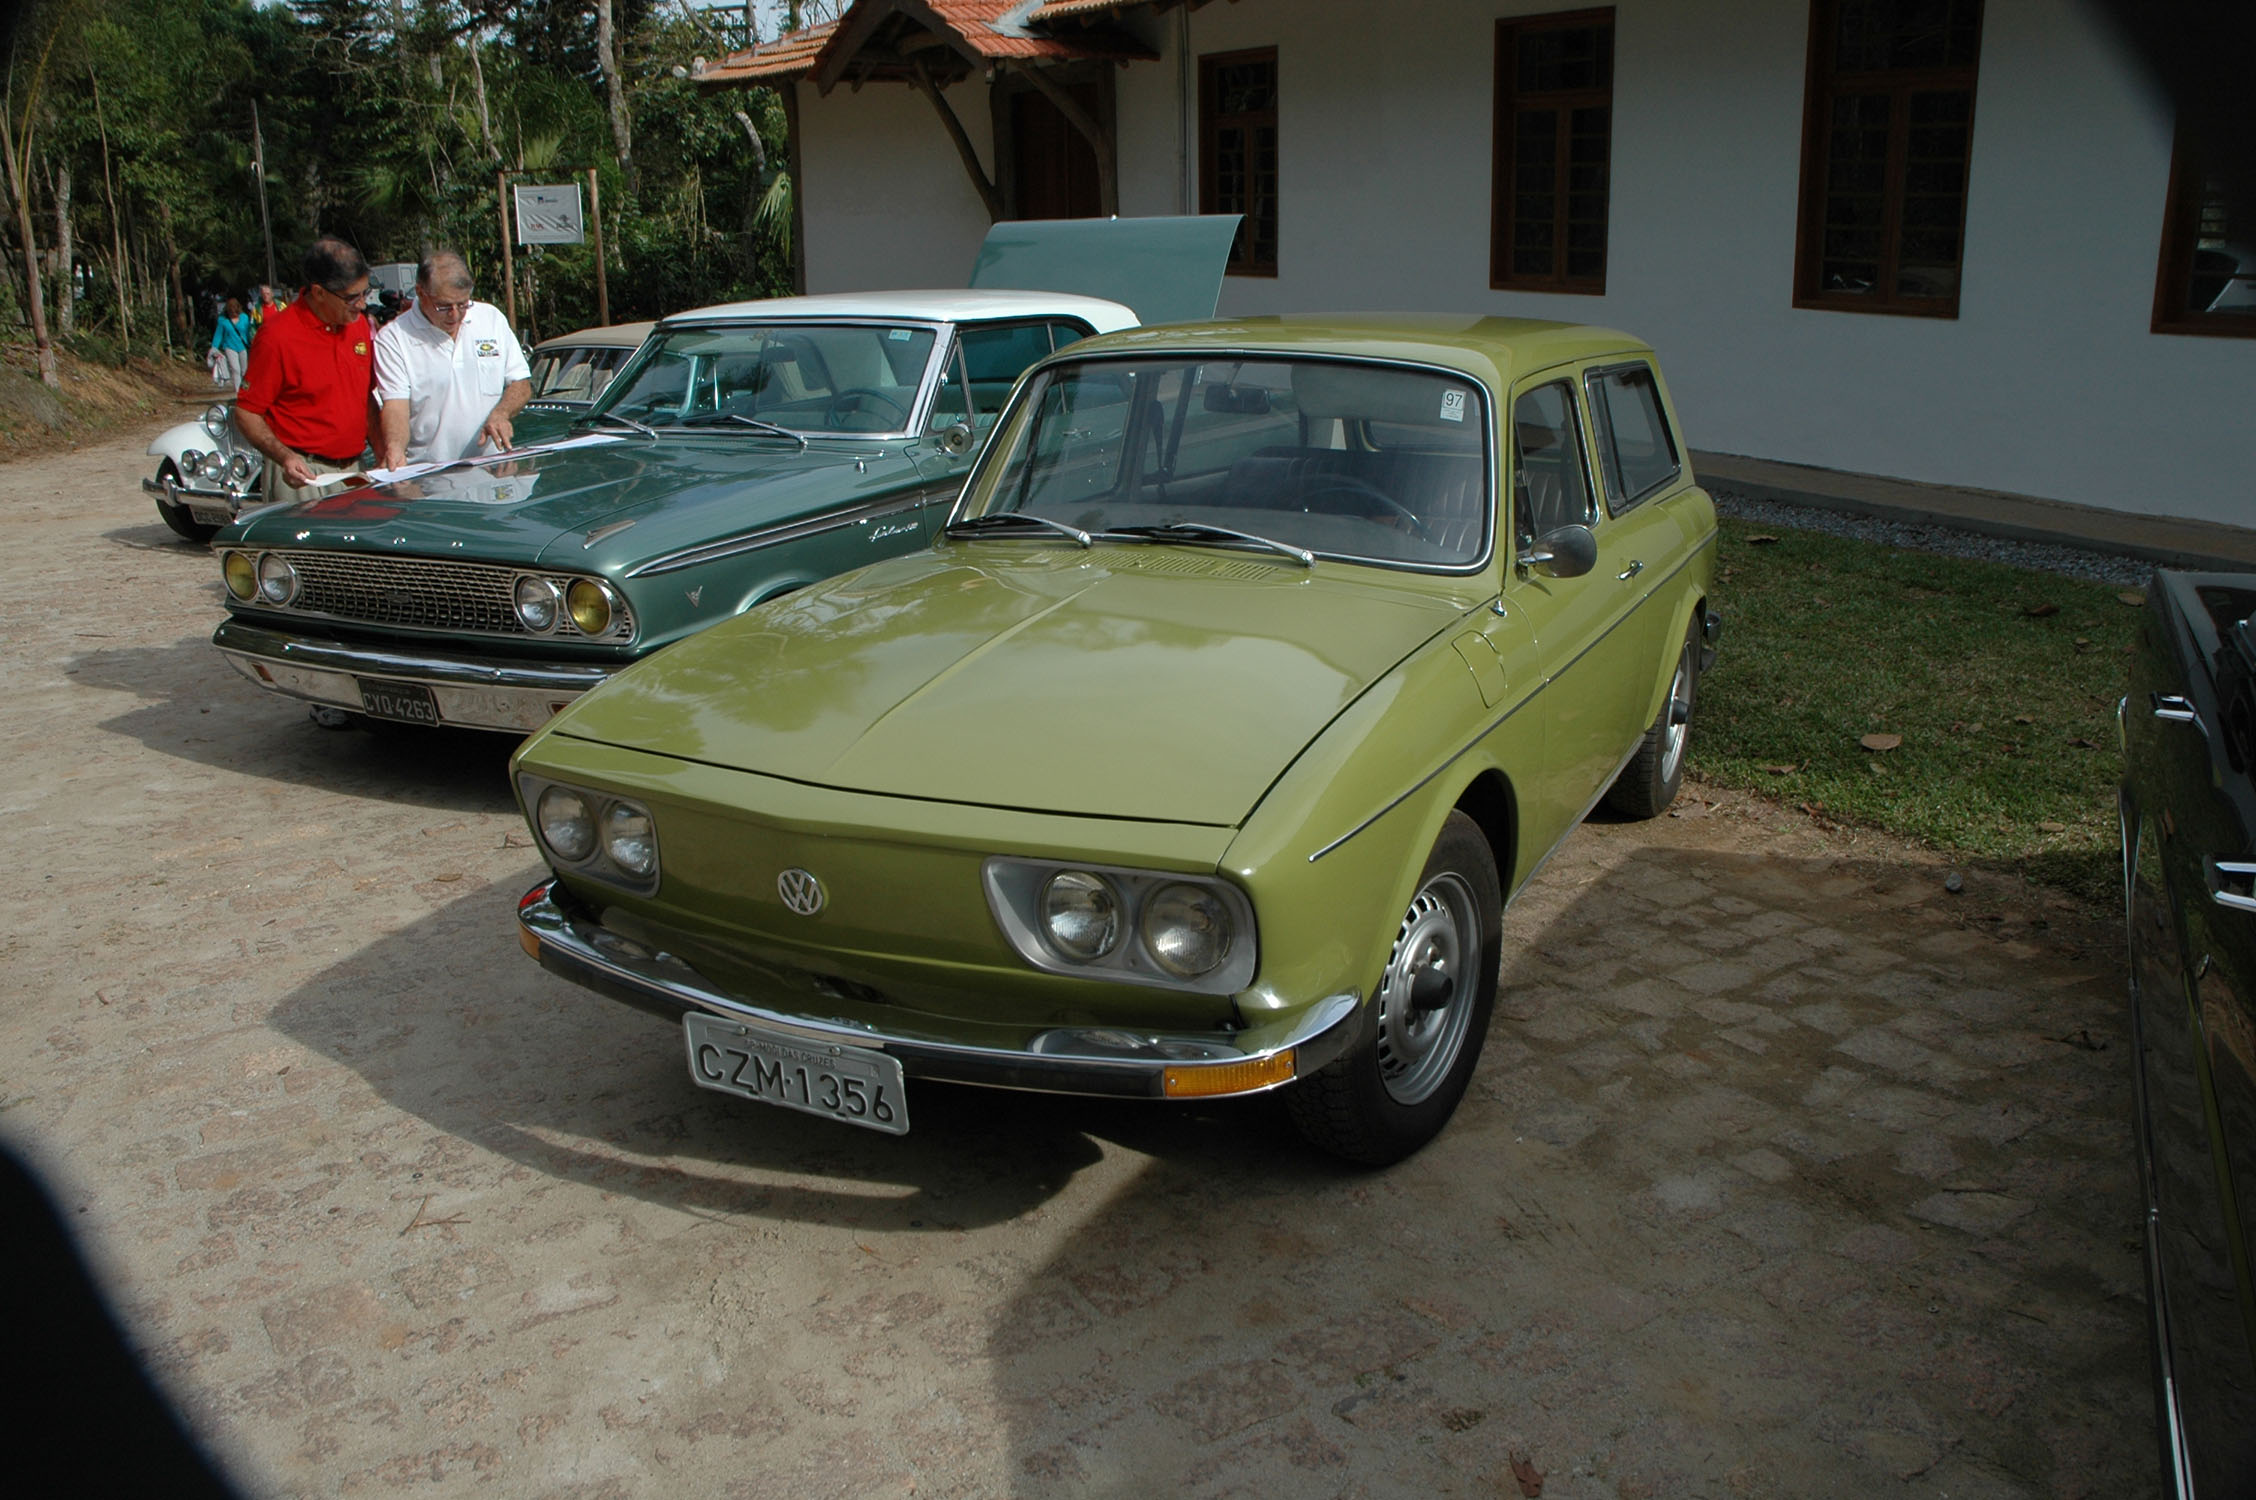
[2097, 565]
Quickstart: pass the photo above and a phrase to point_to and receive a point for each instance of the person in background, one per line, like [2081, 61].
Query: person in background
[263, 303]
[308, 400]
[231, 344]
[449, 372]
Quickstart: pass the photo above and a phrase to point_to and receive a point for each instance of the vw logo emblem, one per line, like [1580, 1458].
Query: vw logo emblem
[800, 891]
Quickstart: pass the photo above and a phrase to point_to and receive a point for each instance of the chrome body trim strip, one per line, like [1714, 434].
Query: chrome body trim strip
[769, 536]
[572, 945]
[1498, 722]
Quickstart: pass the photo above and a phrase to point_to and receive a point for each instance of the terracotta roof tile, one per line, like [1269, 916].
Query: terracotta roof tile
[989, 28]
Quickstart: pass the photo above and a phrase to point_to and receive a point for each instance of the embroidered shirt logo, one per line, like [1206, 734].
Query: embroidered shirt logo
[361, 347]
[488, 349]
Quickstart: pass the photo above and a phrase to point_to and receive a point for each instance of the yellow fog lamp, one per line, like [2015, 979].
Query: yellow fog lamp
[1210, 1079]
[589, 604]
[241, 574]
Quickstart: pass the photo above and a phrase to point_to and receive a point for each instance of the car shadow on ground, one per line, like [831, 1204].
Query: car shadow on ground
[1770, 1181]
[156, 536]
[452, 1024]
[197, 708]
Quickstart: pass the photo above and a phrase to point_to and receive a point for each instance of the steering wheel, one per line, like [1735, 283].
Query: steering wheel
[839, 403]
[1349, 487]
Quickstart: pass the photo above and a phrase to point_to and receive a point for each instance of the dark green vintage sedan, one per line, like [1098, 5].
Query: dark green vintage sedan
[1260, 664]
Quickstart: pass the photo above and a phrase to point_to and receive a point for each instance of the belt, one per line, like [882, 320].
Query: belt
[339, 462]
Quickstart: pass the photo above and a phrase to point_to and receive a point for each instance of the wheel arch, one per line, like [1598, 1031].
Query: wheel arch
[1491, 802]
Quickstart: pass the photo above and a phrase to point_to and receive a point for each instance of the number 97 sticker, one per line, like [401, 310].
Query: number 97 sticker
[1453, 406]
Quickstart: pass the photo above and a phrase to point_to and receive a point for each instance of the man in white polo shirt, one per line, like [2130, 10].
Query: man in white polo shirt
[449, 372]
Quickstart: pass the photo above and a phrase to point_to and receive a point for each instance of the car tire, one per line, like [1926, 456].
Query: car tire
[1649, 783]
[179, 517]
[1401, 1080]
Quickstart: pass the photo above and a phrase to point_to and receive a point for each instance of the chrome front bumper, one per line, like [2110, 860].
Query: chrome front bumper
[1101, 1061]
[472, 692]
[211, 507]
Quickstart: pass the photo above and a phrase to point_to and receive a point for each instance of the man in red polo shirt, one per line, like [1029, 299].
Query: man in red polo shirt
[308, 400]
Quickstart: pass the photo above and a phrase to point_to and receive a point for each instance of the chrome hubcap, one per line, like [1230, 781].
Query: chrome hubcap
[1678, 727]
[1426, 997]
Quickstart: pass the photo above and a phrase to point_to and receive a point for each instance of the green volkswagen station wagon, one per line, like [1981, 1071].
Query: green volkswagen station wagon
[743, 451]
[1260, 664]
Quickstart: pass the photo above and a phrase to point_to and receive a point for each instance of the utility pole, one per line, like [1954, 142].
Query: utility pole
[258, 167]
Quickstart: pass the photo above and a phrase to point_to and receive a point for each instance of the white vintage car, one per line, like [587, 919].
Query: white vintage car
[206, 473]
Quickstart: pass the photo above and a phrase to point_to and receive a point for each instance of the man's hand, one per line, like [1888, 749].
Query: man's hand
[497, 431]
[296, 472]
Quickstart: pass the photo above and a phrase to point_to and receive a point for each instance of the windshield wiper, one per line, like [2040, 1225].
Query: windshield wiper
[708, 418]
[1011, 520]
[1198, 531]
[612, 416]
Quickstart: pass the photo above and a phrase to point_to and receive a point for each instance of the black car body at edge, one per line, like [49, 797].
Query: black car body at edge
[2189, 864]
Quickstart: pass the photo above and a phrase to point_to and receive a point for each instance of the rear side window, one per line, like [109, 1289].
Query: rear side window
[994, 356]
[1635, 446]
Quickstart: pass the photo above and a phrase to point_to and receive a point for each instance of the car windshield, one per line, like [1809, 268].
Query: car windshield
[1346, 459]
[803, 377]
[576, 374]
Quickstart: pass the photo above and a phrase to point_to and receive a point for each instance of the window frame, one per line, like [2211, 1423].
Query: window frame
[2181, 237]
[1501, 276]
[1210, 121]
[1821, 84]
[1593, 482]
[1602, 436]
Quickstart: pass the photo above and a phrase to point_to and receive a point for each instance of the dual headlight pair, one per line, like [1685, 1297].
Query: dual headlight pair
[267, 577]
[543, 604]
[1138, 926]
[215, 466]
[589, 832]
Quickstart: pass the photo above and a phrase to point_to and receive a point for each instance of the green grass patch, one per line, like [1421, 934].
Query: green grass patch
[2001, 683]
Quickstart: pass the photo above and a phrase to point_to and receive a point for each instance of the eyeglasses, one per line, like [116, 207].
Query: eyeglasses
[350, 299]
[451, 309]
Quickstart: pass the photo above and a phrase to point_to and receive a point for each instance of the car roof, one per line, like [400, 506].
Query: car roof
[1495, 350]
[617, 335]
[934, 306]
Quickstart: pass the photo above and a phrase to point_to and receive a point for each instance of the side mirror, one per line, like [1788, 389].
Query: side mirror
[1568, 552]
[957, 439]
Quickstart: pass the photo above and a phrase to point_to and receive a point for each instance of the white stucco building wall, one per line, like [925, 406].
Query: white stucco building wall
[2048, 382]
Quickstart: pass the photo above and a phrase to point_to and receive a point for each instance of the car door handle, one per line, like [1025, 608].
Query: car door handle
[1625, 575]
[2224, 874]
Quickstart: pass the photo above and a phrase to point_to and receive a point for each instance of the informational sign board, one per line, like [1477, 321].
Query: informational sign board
[550, 215]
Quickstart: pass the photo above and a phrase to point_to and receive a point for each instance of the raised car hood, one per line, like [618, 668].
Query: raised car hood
[1168, 269]
[1122, 682]
[512, 511]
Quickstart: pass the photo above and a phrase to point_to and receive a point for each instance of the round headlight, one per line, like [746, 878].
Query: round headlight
[241, 576]
[239, 467]
[590, 605]
[1080, 915]
[1186, 929]
[215, 418]
[566, 825]
[630, 839]
[191, 462]
[214, 465]
[537, 602]
[277, 580]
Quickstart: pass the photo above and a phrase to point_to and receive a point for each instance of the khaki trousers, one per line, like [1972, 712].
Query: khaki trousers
[278, 488]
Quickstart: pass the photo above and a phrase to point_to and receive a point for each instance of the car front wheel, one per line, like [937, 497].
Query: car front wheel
[179, 517]
[1422, 1032]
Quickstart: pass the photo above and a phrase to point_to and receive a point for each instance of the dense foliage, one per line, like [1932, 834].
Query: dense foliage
[132, 126]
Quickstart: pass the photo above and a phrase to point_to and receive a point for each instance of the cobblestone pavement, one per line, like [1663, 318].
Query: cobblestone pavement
[1785, 1174]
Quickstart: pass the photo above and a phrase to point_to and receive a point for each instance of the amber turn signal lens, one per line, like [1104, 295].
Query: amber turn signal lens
[1227, 1078]
[528, 942]
[241, 575]
[589, 605]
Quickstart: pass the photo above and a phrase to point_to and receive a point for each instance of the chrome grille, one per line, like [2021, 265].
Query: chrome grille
[419, 593]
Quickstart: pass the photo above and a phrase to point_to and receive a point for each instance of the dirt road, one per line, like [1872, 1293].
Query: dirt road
[1786, 1173]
